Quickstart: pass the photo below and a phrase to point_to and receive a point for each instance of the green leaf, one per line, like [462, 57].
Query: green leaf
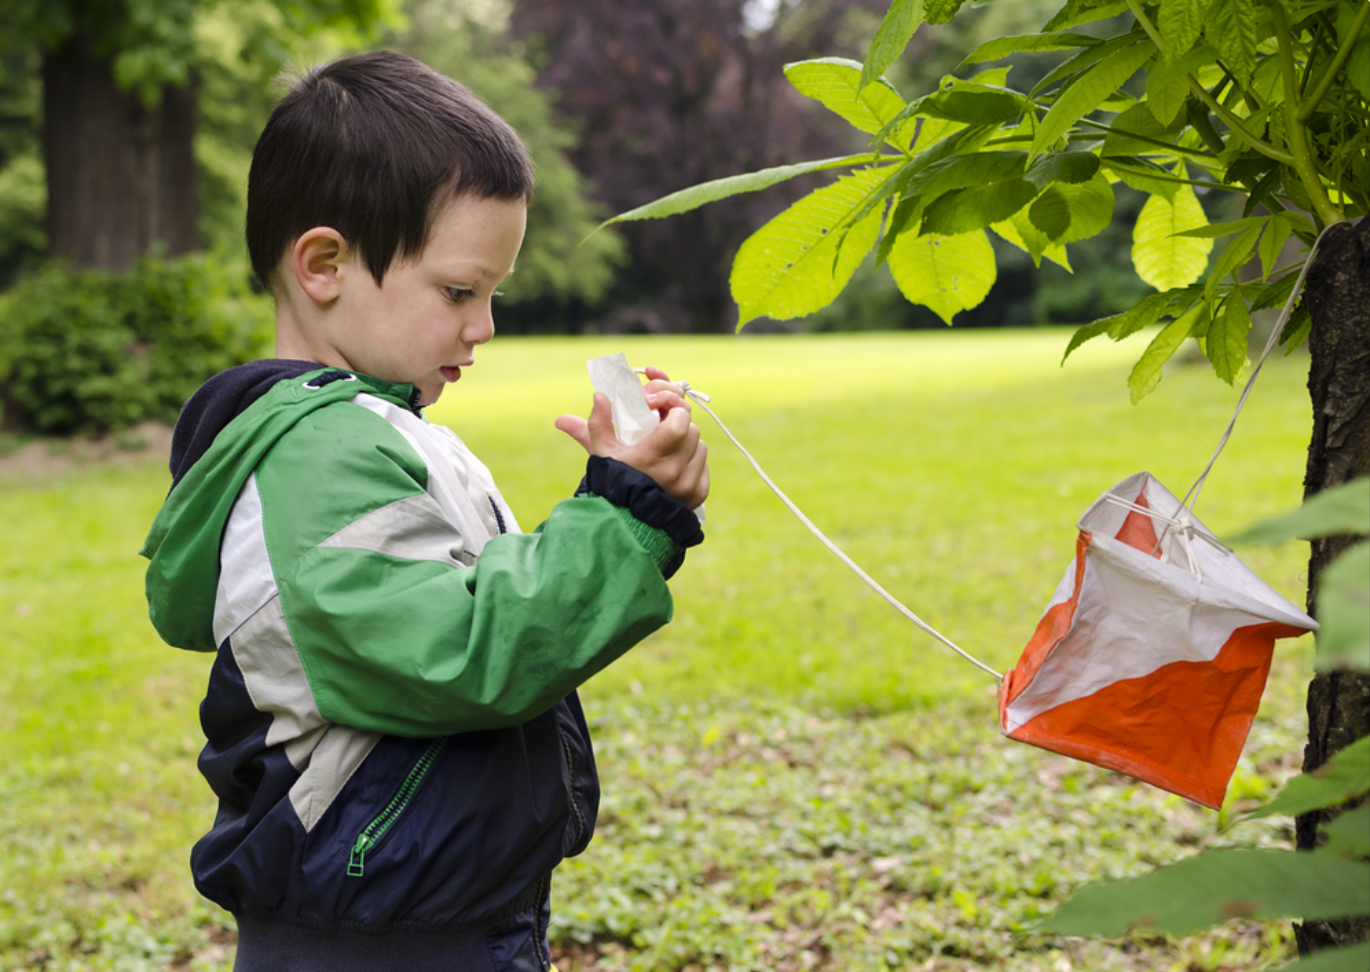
[1349, 834]
[1086, 333]
[1343, 777]
[1069, 167]
[1350, 958]
[1230, 26]
[1226, 339]
[1126, 169]
[1161, 258]
[1343, 610]
[972, 105]
[1144, 313]
[976, 207]
[1232, 258]
[901, 20]
[1077, 12]
[1127, 133]
[1089, 92]
[931, 173]
[1146, 374]
[1342, 509]
[963, 171]
[1019, 231]
[1180, 23]
[707, 192]
[947, 274]
[835, 82]
[1023, 43]
[800, 260]
[1272, 244]
[1215, 230]
[1215, 887]
[1091, 206]
[1276, 292]
[1050, 213]
[1077, 64]
[1166, 86]
[942, 11]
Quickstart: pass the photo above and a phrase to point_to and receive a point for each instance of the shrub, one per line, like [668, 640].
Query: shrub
[94, 351]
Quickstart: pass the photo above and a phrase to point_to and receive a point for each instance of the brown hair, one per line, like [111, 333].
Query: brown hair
[372, 145]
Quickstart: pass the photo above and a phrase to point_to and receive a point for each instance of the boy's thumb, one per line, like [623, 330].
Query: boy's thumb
[600, 426]
[596, 435]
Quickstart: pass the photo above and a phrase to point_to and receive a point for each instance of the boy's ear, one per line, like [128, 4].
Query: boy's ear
[317, 258]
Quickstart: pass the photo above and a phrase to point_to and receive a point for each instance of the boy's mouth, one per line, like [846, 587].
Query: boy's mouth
[450, 374]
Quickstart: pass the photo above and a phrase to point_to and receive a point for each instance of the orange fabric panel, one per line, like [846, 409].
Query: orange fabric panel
[1137, 530]
[1181, 727]
[1054, 626]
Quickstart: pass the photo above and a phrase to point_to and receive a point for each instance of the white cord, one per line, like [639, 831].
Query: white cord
[703, 399]
[1191, 498]
[1269, 346]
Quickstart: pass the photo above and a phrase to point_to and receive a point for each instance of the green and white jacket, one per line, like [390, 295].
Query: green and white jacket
[391, 722]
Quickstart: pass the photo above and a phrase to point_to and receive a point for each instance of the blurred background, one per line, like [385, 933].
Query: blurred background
[126, 131]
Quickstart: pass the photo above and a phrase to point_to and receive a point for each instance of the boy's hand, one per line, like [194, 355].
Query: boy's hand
[673, 454]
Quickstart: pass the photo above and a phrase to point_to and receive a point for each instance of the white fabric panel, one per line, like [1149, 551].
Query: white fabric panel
[340, 750]
[1226, 580]
[459, 482]
[245, 578]
[413, 528]
[275, 678]
[1064, 590]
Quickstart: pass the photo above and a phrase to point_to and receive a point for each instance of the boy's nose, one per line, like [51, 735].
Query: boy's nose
[481, 328]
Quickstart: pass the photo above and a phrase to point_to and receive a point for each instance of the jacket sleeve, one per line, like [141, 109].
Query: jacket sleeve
[395, 628]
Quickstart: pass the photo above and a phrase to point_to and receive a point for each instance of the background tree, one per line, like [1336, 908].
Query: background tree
[120, 82]
[674, 93]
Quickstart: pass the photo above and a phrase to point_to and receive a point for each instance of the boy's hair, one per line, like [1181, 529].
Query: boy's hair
[373, 145]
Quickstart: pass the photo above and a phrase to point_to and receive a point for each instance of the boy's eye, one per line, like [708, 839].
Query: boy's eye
[457, 294]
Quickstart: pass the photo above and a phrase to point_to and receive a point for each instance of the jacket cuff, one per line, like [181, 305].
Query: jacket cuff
[668, 554]
[638, 493]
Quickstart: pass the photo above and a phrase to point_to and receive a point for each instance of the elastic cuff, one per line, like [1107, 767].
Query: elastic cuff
[668, 554]
[624, 486]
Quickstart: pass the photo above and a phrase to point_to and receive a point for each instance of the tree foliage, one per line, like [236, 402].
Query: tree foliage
[1266, 100]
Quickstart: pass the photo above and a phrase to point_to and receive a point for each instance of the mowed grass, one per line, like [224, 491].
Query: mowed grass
[795, 776]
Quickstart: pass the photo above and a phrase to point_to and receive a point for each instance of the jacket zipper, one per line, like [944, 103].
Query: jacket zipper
[377, 828]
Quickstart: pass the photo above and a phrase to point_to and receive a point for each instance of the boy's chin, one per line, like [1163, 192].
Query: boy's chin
[429, 393]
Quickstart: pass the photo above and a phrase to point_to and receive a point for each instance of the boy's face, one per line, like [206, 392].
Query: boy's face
[421, 326]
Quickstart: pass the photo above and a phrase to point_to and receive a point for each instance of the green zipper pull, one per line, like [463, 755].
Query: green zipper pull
[356, 864]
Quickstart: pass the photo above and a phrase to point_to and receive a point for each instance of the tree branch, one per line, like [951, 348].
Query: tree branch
[1303, 164]
[1338, 62]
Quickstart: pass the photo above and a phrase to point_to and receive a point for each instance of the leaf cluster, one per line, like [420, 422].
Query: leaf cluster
[1268, 100]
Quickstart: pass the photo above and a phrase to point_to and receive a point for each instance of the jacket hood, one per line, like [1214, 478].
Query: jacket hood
[224, 431]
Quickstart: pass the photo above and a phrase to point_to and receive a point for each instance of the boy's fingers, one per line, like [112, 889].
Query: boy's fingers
[666, 399]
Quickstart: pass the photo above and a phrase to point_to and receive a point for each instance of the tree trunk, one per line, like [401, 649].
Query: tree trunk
[1338, 295]
[121, 173]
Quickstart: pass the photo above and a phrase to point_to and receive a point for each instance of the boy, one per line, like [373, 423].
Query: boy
[392, 726]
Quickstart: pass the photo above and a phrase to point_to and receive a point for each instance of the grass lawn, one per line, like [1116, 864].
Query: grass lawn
[795, 776]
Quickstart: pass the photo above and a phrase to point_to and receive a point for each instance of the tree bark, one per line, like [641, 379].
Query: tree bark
[120, 173]
[1338, 296]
